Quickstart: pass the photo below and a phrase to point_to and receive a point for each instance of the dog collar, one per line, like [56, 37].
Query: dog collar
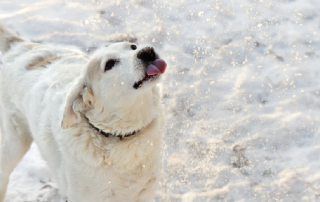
[111, 134]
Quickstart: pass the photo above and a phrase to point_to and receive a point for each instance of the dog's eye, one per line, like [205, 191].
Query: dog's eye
[109, 64]
[133, 47]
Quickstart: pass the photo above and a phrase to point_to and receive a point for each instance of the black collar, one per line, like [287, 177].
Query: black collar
[112, 134]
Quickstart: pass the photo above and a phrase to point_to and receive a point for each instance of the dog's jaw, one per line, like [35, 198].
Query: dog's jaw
[146, 78]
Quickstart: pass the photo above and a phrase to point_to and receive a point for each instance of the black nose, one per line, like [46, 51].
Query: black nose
[147, 54]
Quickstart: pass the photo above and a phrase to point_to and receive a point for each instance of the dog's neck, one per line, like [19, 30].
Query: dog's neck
[127, 117]
[121, 136]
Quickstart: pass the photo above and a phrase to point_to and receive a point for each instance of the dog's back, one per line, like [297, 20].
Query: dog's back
[7, 38]
[21, 140]
[30, 74]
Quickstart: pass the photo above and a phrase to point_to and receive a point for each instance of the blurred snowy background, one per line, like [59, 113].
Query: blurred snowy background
[241, 91]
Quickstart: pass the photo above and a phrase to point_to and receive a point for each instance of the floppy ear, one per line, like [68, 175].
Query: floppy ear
[79, 98]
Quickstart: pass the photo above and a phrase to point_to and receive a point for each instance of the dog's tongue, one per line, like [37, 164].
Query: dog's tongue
[157, 67]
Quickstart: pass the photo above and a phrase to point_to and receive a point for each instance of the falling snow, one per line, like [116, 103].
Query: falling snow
[241, 91]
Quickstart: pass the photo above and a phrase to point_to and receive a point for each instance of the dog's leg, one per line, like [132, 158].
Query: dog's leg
[15, 140]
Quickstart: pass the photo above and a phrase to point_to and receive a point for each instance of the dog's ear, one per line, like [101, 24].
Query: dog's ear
[79, 98]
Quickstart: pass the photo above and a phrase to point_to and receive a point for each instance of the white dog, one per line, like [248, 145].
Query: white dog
[97, 121]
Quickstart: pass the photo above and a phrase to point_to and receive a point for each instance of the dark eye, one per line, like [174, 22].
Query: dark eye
[109, 65]
[133, 47]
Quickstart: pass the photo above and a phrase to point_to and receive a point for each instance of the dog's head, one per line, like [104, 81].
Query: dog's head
[119, 78]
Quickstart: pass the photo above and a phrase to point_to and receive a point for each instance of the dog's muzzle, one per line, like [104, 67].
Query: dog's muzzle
[154, 65]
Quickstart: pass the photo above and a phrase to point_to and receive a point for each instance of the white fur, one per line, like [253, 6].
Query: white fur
[48, 105]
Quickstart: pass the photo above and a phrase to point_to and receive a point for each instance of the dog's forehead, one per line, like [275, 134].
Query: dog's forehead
[119, 46]
[115, 50]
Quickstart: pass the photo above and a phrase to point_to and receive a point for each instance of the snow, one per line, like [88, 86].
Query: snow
[241, 91]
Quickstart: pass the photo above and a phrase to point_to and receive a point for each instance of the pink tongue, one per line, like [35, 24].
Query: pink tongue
[157, 67]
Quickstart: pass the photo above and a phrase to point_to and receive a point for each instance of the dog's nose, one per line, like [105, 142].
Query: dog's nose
[147, 54]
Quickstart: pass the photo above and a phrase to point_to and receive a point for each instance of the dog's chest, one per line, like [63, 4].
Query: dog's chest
[117, 168]
[108, 184]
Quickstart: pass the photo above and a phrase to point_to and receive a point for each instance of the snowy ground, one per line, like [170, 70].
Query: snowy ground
[241, 93]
